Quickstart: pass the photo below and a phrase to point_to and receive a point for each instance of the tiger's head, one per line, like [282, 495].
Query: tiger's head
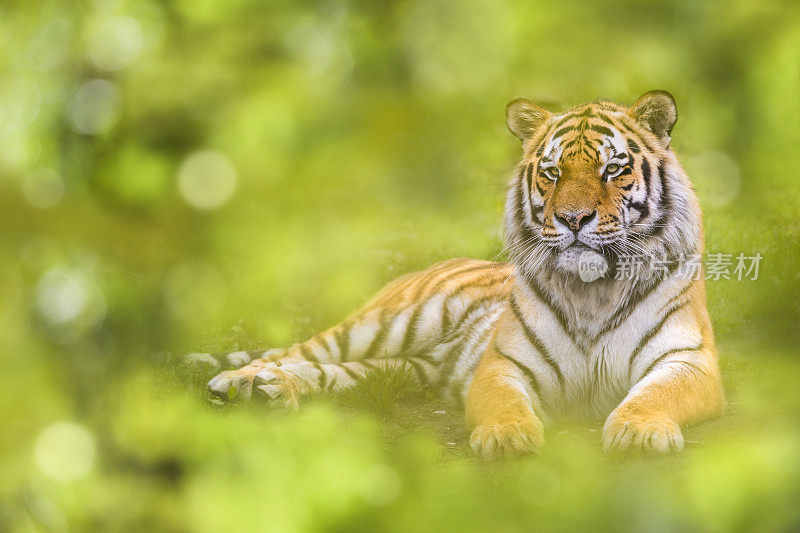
[597, 182]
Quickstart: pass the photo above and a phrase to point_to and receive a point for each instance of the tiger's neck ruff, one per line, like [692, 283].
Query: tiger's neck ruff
[647, 206]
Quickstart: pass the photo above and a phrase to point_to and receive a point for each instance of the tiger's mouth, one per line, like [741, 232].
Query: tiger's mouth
[580, 259]
[579, 246]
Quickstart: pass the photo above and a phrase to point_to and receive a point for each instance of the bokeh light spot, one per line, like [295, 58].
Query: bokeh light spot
[96, 107]
[20, 102]
[326, 56]
[50, 47]
[19, 150]
[66, 297]
[207, 180]
[60, 296]
[114, 42]
[64, 451]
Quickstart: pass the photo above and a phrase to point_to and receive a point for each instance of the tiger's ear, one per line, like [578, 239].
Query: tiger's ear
[524, 117]
[656, 111]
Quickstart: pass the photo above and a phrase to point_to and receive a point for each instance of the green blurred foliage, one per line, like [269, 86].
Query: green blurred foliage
[366, 139]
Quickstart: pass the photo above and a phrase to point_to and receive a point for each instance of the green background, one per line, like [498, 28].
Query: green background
[363, 139]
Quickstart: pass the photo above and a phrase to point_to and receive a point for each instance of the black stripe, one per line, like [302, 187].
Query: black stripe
[563, 131]
[593, 156]
[349, 372]
[342, 337]
[330, 342]
[415, 278]
[331, 383]
[449, 361]
[529, 178]
[601, 371]
[665, 204]
[428, 279]
[372, 365]
[666, 354]
[633, 147]
[481, 341]
[535, 341]
[664, 201]
[254, 354]
[380, 335]
[565, 120]
[413, 322]
[411, 328]
[695, 367]
[542, 192]
[545, 133]
[572, 142]
[678, 296]
[450, 358]
[624, 172]
[426, 358]
[625, 311]
[445, 314]
[525, 370]
[306, 354]
[605, 118]
[324, 344]
[471, 308]
[525, 230]
[637, 134]
[646, 176]
[463, 288]
[551, 305]
[480, 283]
[652, 333]
[642, 207]
[321, 379]
[423, 379]
[528, 181]
[601, 129]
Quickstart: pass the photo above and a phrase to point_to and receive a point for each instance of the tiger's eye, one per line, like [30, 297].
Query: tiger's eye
[612, 168]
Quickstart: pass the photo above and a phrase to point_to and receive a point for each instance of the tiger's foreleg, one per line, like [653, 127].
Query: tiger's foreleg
[500, 407]
[679, 388]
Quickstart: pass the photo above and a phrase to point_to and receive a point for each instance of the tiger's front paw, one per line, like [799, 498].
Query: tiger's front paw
[634, 432]
[507, 434]
[286, 384]
[231, 385]
[237, 384]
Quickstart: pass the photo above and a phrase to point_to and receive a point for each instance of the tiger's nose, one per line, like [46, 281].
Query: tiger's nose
[575, 220]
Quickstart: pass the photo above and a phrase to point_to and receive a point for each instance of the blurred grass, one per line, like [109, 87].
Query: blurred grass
[367, 139]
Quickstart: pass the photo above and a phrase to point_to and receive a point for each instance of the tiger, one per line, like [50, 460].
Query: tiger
[521, 344]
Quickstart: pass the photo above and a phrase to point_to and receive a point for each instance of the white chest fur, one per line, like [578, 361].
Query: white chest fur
[587, 355]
